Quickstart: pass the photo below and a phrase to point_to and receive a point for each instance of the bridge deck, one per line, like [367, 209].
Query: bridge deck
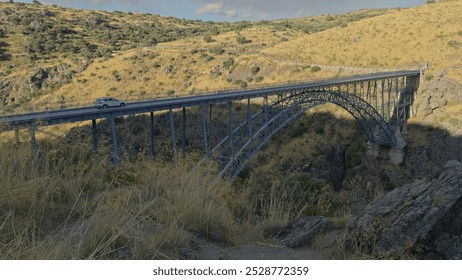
[10, 122]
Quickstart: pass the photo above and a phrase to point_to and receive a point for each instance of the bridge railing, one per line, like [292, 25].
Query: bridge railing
[30, 108]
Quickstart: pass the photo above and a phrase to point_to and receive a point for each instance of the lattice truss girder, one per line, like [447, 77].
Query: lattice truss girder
[374, 104]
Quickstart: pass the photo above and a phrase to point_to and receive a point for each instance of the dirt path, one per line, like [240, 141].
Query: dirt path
[266, 250]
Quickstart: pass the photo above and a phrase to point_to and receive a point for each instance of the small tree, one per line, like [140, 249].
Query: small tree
[217, 50]
[35, 2]
[208, 39]
[255, 69]
[241, 39]
[228, 63]
[315, 69]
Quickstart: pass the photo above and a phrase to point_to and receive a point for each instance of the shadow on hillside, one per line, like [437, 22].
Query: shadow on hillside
[3, 55]
[340, 143]
[320, 144]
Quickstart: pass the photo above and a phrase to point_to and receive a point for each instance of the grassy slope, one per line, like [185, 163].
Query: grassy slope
[399, 39]
[139, 73]
[129, 193]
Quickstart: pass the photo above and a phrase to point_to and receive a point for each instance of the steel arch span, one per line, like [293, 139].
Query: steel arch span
[240, 146]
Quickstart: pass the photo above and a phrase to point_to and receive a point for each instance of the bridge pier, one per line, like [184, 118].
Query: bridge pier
[183, 137]
[398, 152]
[172, 128]
[152, 134]
[204, 130]
[95, 137]
[115, 142]
[33, 142]
[16, 137]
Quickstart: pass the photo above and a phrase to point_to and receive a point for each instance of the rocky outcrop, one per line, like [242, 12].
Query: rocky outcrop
[18, 90]
[417, 214]
[303, 231]
[438, 94]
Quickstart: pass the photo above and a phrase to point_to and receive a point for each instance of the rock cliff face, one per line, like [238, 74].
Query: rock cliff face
[302, 232]
[18, 90]
[438, 94]
[423, 215]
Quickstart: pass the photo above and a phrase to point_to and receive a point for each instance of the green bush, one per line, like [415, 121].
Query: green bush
[228, 63]
[241, 39]
[217, 50]
[259, 79]
[429, 77]
[315, 69]
[208, 39]
[255, 69]
[454, 44]
[354, 154]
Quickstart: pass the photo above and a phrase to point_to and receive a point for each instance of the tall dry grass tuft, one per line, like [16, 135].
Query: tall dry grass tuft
[69, 203]
[273, 201]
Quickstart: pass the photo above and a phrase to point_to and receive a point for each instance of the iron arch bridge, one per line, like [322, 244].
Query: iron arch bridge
[380, 103]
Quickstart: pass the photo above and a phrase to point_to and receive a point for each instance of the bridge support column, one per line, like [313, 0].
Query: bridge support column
[249, 116]
[183, 138]
[152, 134]
[172, 128]
[398, 153]
[16, 137]
[204, 129]
[404, 130]
[230, 127]
[115, 142]
[33, 143]
[93, 132]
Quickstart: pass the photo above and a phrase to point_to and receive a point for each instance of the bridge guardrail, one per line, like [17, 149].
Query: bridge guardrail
[220, 91]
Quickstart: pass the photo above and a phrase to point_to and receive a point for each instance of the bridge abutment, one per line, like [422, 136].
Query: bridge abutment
[398, 153]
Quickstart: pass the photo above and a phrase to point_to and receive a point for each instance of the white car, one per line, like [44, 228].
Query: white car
[106, 102]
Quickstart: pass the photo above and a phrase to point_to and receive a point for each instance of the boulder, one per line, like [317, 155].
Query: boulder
[301, 232]
[410, 216]
[437, 94]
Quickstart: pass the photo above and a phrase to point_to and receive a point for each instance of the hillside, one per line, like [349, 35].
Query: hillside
[66, 57]
[72, 203]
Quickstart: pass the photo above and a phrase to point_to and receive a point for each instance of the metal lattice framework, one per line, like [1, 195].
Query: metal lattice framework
[380, 103]
[243, 142]
[388, 108]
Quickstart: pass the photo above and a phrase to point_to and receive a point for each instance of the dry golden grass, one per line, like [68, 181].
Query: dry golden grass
[397, 39]
[70, 204]
[400, 39]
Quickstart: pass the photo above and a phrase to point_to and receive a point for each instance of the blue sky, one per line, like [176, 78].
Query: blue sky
[232, 10]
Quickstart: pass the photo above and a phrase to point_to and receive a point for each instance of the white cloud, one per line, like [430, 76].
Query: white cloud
[211, 8]
[258, 9]
[231, 13]
[216, 8]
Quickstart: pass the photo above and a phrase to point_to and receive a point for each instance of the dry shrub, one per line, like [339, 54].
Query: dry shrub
[71, 204]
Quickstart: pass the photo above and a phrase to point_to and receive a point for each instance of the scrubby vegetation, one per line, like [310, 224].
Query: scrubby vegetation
[48, 53]
[70, 202]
